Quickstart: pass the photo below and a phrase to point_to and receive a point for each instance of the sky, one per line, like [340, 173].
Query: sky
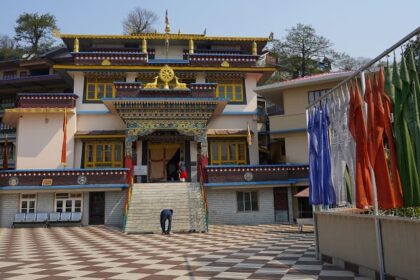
[358, 27]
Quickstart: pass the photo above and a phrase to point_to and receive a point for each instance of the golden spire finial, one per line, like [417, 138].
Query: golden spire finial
[167, 27]
[254, 48]
[144, 45]
[191, 46]
[76, 45]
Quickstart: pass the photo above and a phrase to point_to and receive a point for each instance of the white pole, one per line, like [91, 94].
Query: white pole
[375, 200]
[313, 206]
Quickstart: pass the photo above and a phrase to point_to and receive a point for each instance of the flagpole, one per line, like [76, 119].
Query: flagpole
[378, 233]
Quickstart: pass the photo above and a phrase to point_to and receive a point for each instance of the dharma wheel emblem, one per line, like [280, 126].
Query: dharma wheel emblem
[13, 181]
[166, 74]
[82, 180]
[248, 176]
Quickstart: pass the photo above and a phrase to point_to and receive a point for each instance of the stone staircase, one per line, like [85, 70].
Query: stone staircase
[148, 199]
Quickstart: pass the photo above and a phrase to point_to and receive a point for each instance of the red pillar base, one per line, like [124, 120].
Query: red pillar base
[128, 163]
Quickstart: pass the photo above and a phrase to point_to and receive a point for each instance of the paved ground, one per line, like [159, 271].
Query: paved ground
[227, 252]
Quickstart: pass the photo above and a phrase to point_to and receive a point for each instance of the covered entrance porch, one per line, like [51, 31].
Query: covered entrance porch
[165, 127]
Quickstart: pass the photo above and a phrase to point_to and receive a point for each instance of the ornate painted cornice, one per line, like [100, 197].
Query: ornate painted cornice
[163, 36]
[110, 58]
[46, 100]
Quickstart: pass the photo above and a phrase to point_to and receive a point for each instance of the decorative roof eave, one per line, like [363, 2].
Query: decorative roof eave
[304, 81]
[111, 102]
[11, 116]
[176, 68]
[214, 133]
[100, 134]
[163, 36]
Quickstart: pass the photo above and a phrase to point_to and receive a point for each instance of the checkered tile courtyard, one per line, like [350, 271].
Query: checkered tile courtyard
[226, 252]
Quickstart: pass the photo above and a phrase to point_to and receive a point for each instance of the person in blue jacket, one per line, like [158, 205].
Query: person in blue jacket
[166, 214]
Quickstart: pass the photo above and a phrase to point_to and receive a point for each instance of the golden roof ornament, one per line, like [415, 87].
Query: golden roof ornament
[166, 75]
[167, 27]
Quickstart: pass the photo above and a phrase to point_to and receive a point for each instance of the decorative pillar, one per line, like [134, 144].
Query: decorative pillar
[128, 158]
[254, 48]
[203, 161]
[76, 45]
[144, 46]
[290, 205]
[191, 46]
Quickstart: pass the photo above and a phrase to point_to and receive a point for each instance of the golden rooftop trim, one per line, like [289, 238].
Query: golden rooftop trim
[39, 110]
[146, 67]
[162, 36]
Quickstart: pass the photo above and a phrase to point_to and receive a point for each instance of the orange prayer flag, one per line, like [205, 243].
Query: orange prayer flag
[249, 136]
[64, 146]
[357, 127]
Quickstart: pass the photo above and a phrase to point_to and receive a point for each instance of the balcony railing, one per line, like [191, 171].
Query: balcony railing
[275, 110]
[257, 173]
[209, 59]
[83, 178]
[287, 122]
[110, 58]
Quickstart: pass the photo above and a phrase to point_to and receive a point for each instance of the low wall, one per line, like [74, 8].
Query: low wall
[351, 238]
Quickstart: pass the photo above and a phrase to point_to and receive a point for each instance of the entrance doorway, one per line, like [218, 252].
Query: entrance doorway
[281, 205]
[163, 159]
[96, 208]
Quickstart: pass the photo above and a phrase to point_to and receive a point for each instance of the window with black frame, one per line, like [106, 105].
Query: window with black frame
[315, 94]
[247, 201]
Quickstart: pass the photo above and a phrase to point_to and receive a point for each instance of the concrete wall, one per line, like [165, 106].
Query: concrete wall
[223, 207]
[351, 238]
[78, 155]
[40, 138]
[285, 122]
[85, 211]
[114, 208]
[175, 51]
[348, 237]
[401, 245]
[99, 122]
[45, 202]
[295, 101]
[9, 206]
[297, 148]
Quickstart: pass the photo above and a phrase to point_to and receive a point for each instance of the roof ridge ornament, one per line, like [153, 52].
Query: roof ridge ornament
[166, 75]
[167, 26]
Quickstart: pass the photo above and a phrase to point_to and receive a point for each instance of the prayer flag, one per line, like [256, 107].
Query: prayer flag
[64, 146]
[249, 136]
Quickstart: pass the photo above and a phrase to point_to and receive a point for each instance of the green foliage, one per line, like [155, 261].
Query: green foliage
[9, 50]
[303, 52]
[407, 212]
[410, 212]
[415, 46]
[34, 31]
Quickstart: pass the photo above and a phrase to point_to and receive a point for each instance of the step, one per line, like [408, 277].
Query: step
[149, 199]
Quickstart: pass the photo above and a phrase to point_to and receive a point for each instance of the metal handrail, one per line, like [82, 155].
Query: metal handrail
[367, 65]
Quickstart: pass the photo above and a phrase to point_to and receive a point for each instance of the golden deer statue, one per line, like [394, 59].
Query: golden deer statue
[153, 84]
[178, 84]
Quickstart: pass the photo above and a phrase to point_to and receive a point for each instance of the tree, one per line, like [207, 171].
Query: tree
[139, 21]
[35, 31]
[345, 62]
[9, 49]
[303, 52]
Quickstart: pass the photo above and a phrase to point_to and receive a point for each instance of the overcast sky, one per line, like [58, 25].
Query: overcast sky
[358, 27]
